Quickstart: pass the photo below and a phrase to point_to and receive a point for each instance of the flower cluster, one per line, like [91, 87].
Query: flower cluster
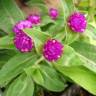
[53, 13]
[23, 42]
[34, 19]
[52, 49]
[77, 22]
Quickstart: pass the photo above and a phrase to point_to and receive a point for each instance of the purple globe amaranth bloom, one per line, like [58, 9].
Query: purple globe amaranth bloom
[52, 50]
[53, 13]
[34, 19]
[77, 22]
[22, 25]
[23, 42]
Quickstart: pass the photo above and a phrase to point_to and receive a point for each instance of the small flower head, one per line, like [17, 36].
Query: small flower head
[53, 13]
[77, 22]
[22, 25]
[52, 50]
[34, 19]
[23, 42]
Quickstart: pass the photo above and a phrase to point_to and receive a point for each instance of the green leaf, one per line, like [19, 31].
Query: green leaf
[60, 36]
[6, 42]
[67, 7]
[5, 55]
[91, 33]
[72, 66]
[38, 36]
[35, 72]
[70, 36]
[22, 86]
[45, 21]
[10, 14]
[47, 77]
[69, 58]
[56, 27]
[16, 66]
[52, 79]
[83, 3]
[87, 53]
[2, 33]
[80, 75]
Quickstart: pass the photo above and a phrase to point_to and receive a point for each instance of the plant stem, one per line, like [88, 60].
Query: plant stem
[39, 60]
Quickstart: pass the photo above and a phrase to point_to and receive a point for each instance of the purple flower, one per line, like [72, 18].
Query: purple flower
[77, 22]
[34, 19]
[52, 50]
[53, 13]
[22, 25]
[23, 42]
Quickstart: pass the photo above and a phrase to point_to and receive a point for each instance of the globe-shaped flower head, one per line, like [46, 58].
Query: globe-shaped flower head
[34, 19]
[77, 22]
[52, 50]
[23, 42]
[22, 25]
[53, 13]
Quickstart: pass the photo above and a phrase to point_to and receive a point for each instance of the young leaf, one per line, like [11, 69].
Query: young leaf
[22, 86]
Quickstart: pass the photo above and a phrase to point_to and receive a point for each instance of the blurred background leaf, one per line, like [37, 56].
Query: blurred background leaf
[11, 13]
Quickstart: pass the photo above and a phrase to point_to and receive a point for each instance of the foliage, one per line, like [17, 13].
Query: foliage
[20, 73]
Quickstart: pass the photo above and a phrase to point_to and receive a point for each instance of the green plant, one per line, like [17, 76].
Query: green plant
[23, 74]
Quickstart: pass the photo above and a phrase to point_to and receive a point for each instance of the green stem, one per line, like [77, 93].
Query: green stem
[39, 60]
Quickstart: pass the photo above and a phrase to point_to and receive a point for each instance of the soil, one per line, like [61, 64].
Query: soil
[73, 90]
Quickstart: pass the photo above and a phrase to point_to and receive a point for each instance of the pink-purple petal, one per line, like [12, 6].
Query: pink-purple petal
[34, 19]
[52, 50]
[77, 22]
[23, 42]
[21, 25]
[53, 13]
